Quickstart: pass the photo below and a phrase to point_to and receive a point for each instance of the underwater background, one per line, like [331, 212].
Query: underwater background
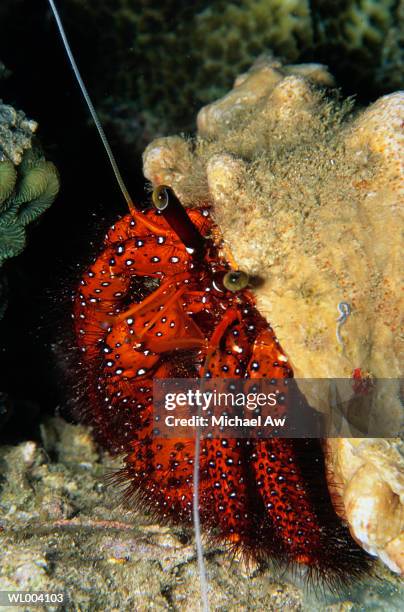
[149, 67]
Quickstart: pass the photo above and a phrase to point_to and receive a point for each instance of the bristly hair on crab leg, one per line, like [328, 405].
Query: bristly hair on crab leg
[166, 201]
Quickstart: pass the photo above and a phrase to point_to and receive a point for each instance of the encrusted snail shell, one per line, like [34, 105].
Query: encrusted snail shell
[308, 195]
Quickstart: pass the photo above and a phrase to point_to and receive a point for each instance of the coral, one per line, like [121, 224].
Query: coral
[307, 196]
[177, 64]
[391, 69]
[28, 185]
[174, 60]
[26, 191]
[16, 133]
[165, 60]
[366, 34]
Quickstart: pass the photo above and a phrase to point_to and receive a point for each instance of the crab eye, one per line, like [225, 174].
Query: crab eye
[160, 197]
[235, 280]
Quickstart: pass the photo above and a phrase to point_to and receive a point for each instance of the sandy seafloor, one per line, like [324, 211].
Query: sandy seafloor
[63, 529]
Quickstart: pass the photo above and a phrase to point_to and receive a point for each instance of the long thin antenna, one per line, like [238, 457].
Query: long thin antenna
[91, 108]
[195, 508]
[197, 524]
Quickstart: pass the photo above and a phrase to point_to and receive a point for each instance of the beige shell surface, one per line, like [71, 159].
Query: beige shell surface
[366, 479]
[308, 196]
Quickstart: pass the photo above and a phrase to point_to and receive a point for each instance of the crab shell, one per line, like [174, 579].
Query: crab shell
[309, 196]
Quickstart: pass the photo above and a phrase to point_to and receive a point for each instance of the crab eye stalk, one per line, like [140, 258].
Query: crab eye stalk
[165, 200]
[160, 197]
[235, 280]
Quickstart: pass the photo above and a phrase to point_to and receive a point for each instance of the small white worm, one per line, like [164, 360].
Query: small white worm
[344, 310]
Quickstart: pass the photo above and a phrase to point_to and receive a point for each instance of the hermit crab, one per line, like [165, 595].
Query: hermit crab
[160, 300]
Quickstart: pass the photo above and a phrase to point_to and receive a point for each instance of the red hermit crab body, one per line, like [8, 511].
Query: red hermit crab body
[154, 306]
[159, 301]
